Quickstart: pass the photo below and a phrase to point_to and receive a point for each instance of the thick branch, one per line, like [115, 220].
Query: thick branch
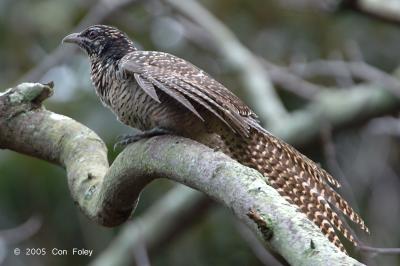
[108, 195]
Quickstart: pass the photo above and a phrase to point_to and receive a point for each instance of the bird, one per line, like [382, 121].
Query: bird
[159, 93]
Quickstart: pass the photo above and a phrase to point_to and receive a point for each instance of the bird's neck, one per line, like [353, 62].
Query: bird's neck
[100, 67]
[113, 53]
[105, 63]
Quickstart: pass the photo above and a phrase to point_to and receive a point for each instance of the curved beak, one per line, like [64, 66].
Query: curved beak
[72, 38]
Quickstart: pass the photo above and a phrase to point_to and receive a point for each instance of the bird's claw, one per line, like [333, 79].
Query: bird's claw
[126, 139]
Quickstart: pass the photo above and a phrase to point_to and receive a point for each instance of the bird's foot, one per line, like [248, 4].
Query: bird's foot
[126, 139]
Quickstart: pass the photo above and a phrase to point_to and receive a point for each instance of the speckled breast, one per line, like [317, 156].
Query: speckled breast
[122, 95]
[133, 106]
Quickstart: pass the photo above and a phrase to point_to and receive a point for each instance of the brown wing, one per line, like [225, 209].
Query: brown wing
[187, 84]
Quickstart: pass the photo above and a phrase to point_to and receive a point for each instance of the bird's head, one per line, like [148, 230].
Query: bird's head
[101, 41]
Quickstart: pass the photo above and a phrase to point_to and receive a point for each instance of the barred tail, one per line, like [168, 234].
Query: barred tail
[296, 178]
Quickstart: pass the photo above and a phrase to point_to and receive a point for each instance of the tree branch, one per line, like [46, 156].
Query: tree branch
[172, 210]
[258, 86]
[388, 11]
[17, 235]
[108, 195]
[357, 69]
[337, 108]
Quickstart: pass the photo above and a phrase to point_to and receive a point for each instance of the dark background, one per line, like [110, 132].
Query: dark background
[278, 31]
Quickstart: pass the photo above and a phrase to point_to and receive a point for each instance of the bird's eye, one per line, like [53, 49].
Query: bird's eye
[92, 34]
